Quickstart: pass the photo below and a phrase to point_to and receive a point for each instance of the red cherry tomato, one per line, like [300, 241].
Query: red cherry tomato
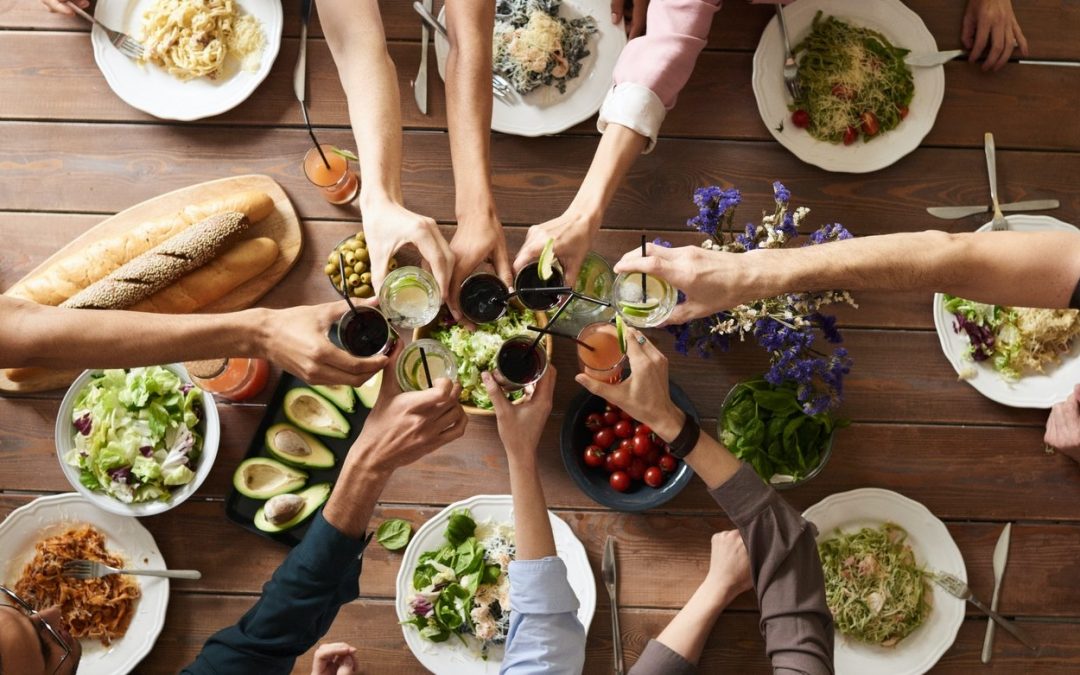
[594, 422]
[800, 118]
[668, 463]
[842, 92]
[604, 438]
[593, 457]
[654, 477]
[620, 459]
[903, 110]
[869, 123]
[611, 418]
[624, 429]
[643, 445]
[627, 444]
[653, 458]
[850, 135]
[642, 429]
[625, 415]
[608, 407]
[608, 466]
[620, 481]
[637, 468]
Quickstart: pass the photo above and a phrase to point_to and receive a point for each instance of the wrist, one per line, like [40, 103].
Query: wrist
[585, 213]
[376, 197]
[717, 594]
[256, 332]
[475, 206]
[669, 423]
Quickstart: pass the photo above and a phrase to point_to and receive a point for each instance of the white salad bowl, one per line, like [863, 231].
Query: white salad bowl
[210, 428]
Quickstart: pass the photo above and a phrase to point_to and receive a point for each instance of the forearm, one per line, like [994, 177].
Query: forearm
[688, 632]
[356, 491]
[709, 459]
[468, 103]
[619, 148]
[532, 528]
[354, 33]
[55, 337]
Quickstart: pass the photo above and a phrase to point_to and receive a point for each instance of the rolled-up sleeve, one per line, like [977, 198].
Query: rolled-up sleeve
[545, 635]
[659, 659]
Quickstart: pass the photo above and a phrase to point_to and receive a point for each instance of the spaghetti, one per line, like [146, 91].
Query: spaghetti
[193, 38]
[99, 609]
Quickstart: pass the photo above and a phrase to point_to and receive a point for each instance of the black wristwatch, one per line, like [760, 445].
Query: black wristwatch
[687, 439]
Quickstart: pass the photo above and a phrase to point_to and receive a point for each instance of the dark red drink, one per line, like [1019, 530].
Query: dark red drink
[365, 332]
[529, 277]
[519, 364]
[483, 298]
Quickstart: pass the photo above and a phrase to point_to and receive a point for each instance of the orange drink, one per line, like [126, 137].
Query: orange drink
[236, 379]
[605, 361]
[338, 183]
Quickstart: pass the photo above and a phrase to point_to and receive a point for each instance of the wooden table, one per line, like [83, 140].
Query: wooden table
[71, 152]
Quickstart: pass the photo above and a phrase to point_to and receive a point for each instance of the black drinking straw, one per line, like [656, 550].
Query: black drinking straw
[538, 329]
[311, 132]
[344, 292]
[551, 322]
[589, 298]
[558, 290]
[644, 295]
[427, 371]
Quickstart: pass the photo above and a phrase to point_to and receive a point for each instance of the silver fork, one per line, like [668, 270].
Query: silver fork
[92, 569]
[791, 69]
[957, 588]
[500, 86]
[999, 223]
[127, 45]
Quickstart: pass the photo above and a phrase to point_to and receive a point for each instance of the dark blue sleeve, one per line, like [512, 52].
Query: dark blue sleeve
[297, 606]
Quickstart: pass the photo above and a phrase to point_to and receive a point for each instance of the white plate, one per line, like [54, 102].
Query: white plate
[933, 547]
[544, 110]
[152, 90]
[451, 657]
[46, 516]
[896, 22]
[64, 434]
[1031, 391]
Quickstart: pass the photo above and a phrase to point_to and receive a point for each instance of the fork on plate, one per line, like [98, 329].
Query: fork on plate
[128, 46]
[791, 68]
[92, 569]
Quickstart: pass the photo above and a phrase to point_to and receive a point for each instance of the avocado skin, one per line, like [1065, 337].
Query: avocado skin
[314, 497]
[298, 393]
[320, 458]
[341, 395]
[298, 478]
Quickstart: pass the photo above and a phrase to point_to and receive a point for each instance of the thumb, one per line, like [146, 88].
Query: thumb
[380, 258]
[503, 269]
[494, 392]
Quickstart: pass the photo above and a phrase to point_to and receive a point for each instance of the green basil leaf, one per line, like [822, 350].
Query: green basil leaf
[393, 534]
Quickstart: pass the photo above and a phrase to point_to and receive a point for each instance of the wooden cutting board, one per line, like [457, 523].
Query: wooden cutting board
[282, 225]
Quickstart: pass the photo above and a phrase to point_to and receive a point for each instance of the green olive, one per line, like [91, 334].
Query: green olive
[332, 258]
[350, 257]
[365, 278]
[364, 291]
[360, 267]
[354, 279]
[362, 255]
[392, 265]
[360, 237]
[330, 267]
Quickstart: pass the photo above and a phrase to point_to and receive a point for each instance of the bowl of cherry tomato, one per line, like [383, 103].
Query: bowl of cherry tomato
[618, 461]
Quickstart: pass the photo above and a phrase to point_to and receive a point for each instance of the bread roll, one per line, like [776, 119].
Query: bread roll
[72, 273]
[162, 265]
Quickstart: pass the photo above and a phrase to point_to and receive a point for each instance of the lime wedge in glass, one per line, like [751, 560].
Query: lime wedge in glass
[547, 257]
[638, 309]
[620, 331]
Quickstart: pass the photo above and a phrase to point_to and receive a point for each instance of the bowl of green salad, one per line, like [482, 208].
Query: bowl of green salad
[137, 441]
[475, 350]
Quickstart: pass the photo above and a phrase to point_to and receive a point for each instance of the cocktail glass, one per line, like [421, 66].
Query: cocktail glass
[483, 297]
[410, 366]
[519, 362]
[529, 277]
[605, 361]
[364, 332]
[410, 297]
[643, 309]
[337, 183]
[594, 280]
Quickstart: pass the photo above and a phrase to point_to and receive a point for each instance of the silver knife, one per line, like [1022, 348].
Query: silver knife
[608, 569]
[953, 212]
[957, 588]
[420, 85]
[927, 59]
[300, 71]
[1001, 556]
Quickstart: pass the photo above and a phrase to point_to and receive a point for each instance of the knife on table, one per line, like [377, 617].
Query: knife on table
[420, 84]
[953, 212]
[609, 571]
[1001, 556]
[930, 59]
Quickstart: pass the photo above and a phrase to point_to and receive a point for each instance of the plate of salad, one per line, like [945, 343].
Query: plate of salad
[453, 587]
[877, 548]
[137, 441]
[1017, 356]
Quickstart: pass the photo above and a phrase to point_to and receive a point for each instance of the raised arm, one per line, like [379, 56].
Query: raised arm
[545, 635]
[354, 32]
[784, 563]
[1027, 269]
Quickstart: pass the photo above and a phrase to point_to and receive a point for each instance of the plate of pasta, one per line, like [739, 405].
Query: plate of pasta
[861, 108]
[203, 57]
[117, 619]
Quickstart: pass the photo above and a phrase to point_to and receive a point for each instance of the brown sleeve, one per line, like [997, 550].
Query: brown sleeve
[1074, 301]
[795, 620]
[659, 659]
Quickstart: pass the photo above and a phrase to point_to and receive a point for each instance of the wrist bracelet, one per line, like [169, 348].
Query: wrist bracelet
[687, 439]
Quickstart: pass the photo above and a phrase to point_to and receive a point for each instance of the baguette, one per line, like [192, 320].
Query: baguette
[72, 273]
[162, 265]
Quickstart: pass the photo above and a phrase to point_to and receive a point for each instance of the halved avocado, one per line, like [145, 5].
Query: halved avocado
[297, 447]
[369, 391]
[311, 412]
[341, 395]
[263, 478]
[314, 497]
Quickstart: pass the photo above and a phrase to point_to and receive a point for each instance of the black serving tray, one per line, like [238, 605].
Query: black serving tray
[241, 510]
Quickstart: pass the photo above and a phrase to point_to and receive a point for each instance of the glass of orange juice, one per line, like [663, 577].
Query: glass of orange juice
[605, 361]
[338, 183]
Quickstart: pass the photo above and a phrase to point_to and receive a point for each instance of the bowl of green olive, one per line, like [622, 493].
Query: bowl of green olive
[357, 268]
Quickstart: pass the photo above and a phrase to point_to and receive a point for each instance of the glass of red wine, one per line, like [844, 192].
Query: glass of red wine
[519, 362]
[529, 277]
[364, 331]
[484, 298]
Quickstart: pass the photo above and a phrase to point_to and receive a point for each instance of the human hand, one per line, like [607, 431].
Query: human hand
[645, 394]
[990, 26]
[1063, 426]
[573, 236]
[711, 280]
[388, 226]
[638, 10]
[477, 239]
[729, 565]
[62, 7]
[296, 340]
[335, 658]
[405, 426]
[521, 425]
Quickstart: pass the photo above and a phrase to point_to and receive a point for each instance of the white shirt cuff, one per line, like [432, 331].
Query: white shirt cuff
[635, 107]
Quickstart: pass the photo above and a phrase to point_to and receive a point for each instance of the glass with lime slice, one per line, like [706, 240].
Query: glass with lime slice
[410, 365]
[410, 297]
[594, 280]
[602, 351]
[529, 278]
[643, 305]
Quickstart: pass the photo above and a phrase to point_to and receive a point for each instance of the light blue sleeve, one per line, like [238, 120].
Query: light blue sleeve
[545, 634]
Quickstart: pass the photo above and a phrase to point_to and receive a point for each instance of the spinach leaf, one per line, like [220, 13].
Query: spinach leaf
[393, 534]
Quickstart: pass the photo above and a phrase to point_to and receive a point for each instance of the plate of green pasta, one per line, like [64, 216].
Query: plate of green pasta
[877, 548]
[860, 108]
